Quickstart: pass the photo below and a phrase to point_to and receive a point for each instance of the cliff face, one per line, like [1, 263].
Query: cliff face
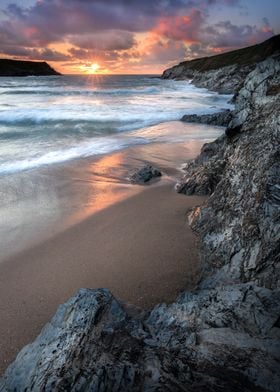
[240, 226]
[25, 68]
[225, 72]
[225, 336]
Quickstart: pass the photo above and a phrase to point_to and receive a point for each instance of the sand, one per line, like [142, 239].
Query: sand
[141, 249]
[82, 224]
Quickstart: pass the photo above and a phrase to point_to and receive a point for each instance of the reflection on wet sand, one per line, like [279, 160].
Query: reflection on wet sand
[105, 187]
[39, 203]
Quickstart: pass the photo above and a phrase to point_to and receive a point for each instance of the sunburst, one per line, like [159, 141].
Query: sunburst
[90, 69]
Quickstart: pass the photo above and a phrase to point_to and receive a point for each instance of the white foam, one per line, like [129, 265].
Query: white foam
[50, 120]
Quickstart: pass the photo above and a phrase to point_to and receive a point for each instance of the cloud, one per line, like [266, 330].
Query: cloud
[227, 35]
[105, 40]
[181, 28]
[115, 32]
[35, 54]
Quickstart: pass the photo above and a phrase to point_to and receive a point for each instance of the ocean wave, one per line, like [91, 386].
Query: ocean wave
[96, 147]
[68, 117]
[45, 121]
[82, 92]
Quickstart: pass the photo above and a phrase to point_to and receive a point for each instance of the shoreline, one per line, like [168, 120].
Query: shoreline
[111, 249]
[40, 203]
[223, 336]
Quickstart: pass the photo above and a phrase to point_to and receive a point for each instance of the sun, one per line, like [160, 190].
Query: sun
[90, 69]
[93, 68]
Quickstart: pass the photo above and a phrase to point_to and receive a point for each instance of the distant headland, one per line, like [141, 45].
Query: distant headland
[25, 68]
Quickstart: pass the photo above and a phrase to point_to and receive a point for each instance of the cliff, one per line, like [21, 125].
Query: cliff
[225, 336]
[224, 72]
[25, 68]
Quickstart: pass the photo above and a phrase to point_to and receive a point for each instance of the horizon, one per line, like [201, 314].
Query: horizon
[132, 74]
[80, 37]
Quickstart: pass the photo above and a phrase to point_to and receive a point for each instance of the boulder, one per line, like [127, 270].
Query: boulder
[222, 118]
[144, 175]
[222, 339]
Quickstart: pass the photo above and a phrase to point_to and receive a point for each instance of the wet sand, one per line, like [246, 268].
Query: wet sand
[81, 224]
[141, 249]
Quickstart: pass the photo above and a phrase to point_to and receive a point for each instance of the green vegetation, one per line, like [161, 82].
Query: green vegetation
[244, 56]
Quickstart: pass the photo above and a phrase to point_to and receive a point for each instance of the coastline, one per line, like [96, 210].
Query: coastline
[109, 247]
[39, 203]
[223, 335]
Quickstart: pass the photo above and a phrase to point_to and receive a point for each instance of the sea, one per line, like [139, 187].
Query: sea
[63, 138]
[47, 120]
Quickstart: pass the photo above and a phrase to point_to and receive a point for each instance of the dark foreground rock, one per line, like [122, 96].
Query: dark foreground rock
[225, 336]
[144, 175]
[221, 119]
[209, 340]
[25, 68]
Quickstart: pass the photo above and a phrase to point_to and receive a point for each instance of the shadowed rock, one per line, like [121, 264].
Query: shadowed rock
[220, 119]
[25, 68]
[206, 341]
[240, 226]
[144, 175]
[225, 336]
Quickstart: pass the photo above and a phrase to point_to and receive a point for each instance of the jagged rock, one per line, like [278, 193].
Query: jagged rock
[225, 336]
[220, 119]
[240, 226]
[233, 131]
[209, 340]
[225, 72]
[204, 173]
[144, 174]
[225, 80]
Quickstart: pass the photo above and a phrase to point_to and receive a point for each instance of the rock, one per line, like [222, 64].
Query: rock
[144, 175]
[233, 131]
[225, 336]
[220, 119]
[204, 173]
[225, 72]
[240, 226]
[25, 68]
[209, 340]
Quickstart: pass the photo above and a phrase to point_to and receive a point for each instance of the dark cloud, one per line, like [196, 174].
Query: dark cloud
[105, 40]
[109, 29]
[36, 54]
[227, 35]
[194, 28]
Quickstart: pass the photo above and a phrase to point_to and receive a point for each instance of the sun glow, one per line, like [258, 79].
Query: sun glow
[90, 69]
[94, 68]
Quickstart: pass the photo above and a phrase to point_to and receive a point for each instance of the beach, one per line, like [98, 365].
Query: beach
[69, 216]
[141, 249]
[132, 239]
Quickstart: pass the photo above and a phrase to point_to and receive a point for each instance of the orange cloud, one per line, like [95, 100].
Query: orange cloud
[181, 28]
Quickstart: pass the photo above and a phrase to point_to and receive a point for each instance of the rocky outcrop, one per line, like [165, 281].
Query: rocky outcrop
[205, 172]
[240, 226]
[145, 174]
[225, 336]
[225, 72]
[225, 80]
[221, 119]
[25, 68]
[209, 340]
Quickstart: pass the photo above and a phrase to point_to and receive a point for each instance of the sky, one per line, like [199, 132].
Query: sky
[130, 36]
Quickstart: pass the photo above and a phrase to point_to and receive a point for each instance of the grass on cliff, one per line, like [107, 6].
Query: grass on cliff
[244, 56]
